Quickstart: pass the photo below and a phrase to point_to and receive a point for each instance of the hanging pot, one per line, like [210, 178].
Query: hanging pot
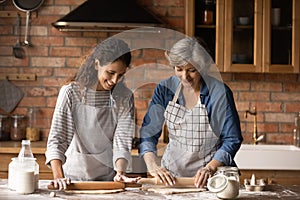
[27, 6]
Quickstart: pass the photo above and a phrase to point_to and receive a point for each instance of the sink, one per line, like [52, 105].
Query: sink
[268, 157]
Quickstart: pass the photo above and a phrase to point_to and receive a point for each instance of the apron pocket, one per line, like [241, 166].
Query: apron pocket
[84, 167]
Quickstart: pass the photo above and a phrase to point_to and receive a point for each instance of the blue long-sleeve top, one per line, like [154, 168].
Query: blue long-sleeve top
[219, 103]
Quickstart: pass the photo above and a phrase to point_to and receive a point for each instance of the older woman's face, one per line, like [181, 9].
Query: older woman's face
[110, 74]
[188, 76]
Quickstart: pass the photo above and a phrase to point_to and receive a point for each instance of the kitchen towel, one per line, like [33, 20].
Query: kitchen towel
[10, 96]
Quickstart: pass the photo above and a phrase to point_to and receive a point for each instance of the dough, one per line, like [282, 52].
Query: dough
[94, 191]
[169, 190]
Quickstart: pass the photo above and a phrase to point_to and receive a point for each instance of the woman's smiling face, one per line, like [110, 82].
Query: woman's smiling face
[188, 76]
[109, 75]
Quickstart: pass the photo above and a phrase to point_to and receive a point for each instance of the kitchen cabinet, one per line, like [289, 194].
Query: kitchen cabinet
[255, 44]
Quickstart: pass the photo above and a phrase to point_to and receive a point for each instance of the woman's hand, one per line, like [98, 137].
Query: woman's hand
[160, 173]
[202, 176]
[163, 176]
[60, 183]
[125, 179]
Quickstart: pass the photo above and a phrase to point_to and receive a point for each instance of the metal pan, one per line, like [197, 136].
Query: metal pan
[27, 6]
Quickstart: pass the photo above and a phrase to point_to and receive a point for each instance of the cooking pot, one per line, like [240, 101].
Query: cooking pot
[27, 6]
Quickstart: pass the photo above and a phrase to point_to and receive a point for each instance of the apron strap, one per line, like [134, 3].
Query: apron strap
[177, 92]
[174, 100]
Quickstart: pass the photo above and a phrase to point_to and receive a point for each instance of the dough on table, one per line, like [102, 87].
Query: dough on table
[170, 190]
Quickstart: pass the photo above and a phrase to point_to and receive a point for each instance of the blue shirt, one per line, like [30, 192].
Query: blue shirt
[219, 103]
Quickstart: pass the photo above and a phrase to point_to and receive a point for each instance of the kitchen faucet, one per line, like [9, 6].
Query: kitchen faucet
[254, 136]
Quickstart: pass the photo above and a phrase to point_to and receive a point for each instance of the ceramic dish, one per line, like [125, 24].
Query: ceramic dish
[259, 185]
[243, 20]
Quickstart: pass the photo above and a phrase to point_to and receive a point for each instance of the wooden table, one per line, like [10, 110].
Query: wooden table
[272, 192]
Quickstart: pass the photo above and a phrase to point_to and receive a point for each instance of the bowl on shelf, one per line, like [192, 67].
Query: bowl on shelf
[243, 20]
[241, 58]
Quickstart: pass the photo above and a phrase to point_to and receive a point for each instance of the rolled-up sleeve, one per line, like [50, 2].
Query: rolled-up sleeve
[62, 128]
[225, 122]
[122, 143]
[153, 121]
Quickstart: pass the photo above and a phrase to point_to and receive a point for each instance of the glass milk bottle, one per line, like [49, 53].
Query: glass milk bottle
[23, 171]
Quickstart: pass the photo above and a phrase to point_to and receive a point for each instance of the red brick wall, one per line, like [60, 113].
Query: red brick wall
[56, 55]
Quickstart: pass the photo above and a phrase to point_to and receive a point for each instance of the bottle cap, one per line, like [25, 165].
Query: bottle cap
[25, 142]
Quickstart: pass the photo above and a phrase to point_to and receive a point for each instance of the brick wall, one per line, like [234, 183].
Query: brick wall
[56, 55]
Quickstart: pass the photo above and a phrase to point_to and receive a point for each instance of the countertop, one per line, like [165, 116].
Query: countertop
[272, 192]
[39, 147]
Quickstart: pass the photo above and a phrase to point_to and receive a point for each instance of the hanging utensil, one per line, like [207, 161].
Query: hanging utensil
[27, 6]
[17, 49]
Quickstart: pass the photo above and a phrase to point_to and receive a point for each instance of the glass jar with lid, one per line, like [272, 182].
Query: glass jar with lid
[18, 128]
[225, 183]
[32, 132]
[4, 128]
[208, 12]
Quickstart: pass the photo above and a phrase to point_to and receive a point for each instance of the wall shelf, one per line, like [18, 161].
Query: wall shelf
[15, 14]
[19, 77]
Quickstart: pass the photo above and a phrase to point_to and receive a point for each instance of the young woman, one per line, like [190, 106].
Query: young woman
[201, 117]
[91, 131]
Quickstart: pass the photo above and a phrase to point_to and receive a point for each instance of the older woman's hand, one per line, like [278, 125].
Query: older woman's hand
[202, 176]
[60, 183]
[163, 176]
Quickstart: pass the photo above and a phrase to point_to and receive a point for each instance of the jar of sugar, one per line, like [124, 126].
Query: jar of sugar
[225, 183]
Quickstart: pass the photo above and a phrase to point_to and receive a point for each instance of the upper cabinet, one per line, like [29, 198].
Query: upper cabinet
[248, 35]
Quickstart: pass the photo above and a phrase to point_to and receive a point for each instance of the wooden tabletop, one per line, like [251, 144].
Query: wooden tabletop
[271, 193]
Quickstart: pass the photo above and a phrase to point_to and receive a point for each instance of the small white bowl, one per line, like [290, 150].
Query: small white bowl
[243, 20]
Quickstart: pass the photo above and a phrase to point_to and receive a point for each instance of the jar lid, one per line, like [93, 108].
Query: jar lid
[227, 168]
[217, 183]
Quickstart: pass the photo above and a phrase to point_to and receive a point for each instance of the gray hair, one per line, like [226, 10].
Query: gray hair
[189, 50]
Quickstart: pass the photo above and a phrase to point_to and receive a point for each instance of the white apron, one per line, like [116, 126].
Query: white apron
[90, 154]
[192, 142]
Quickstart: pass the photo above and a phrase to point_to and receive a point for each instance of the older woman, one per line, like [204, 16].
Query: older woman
[201, 117]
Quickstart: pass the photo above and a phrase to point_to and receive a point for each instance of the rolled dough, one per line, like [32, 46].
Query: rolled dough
[168, 190]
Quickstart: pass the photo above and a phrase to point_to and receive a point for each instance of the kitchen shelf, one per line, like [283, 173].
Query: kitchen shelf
[19, 77]
[273, 49]
[10, 14]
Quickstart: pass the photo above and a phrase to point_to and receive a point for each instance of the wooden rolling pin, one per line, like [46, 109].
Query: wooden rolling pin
[179, 182]
[93, 185]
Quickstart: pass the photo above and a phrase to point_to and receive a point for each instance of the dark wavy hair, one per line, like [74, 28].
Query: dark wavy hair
[108, 51]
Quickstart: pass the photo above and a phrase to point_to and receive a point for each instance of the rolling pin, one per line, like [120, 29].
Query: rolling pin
[179, 182]
[93, 185]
